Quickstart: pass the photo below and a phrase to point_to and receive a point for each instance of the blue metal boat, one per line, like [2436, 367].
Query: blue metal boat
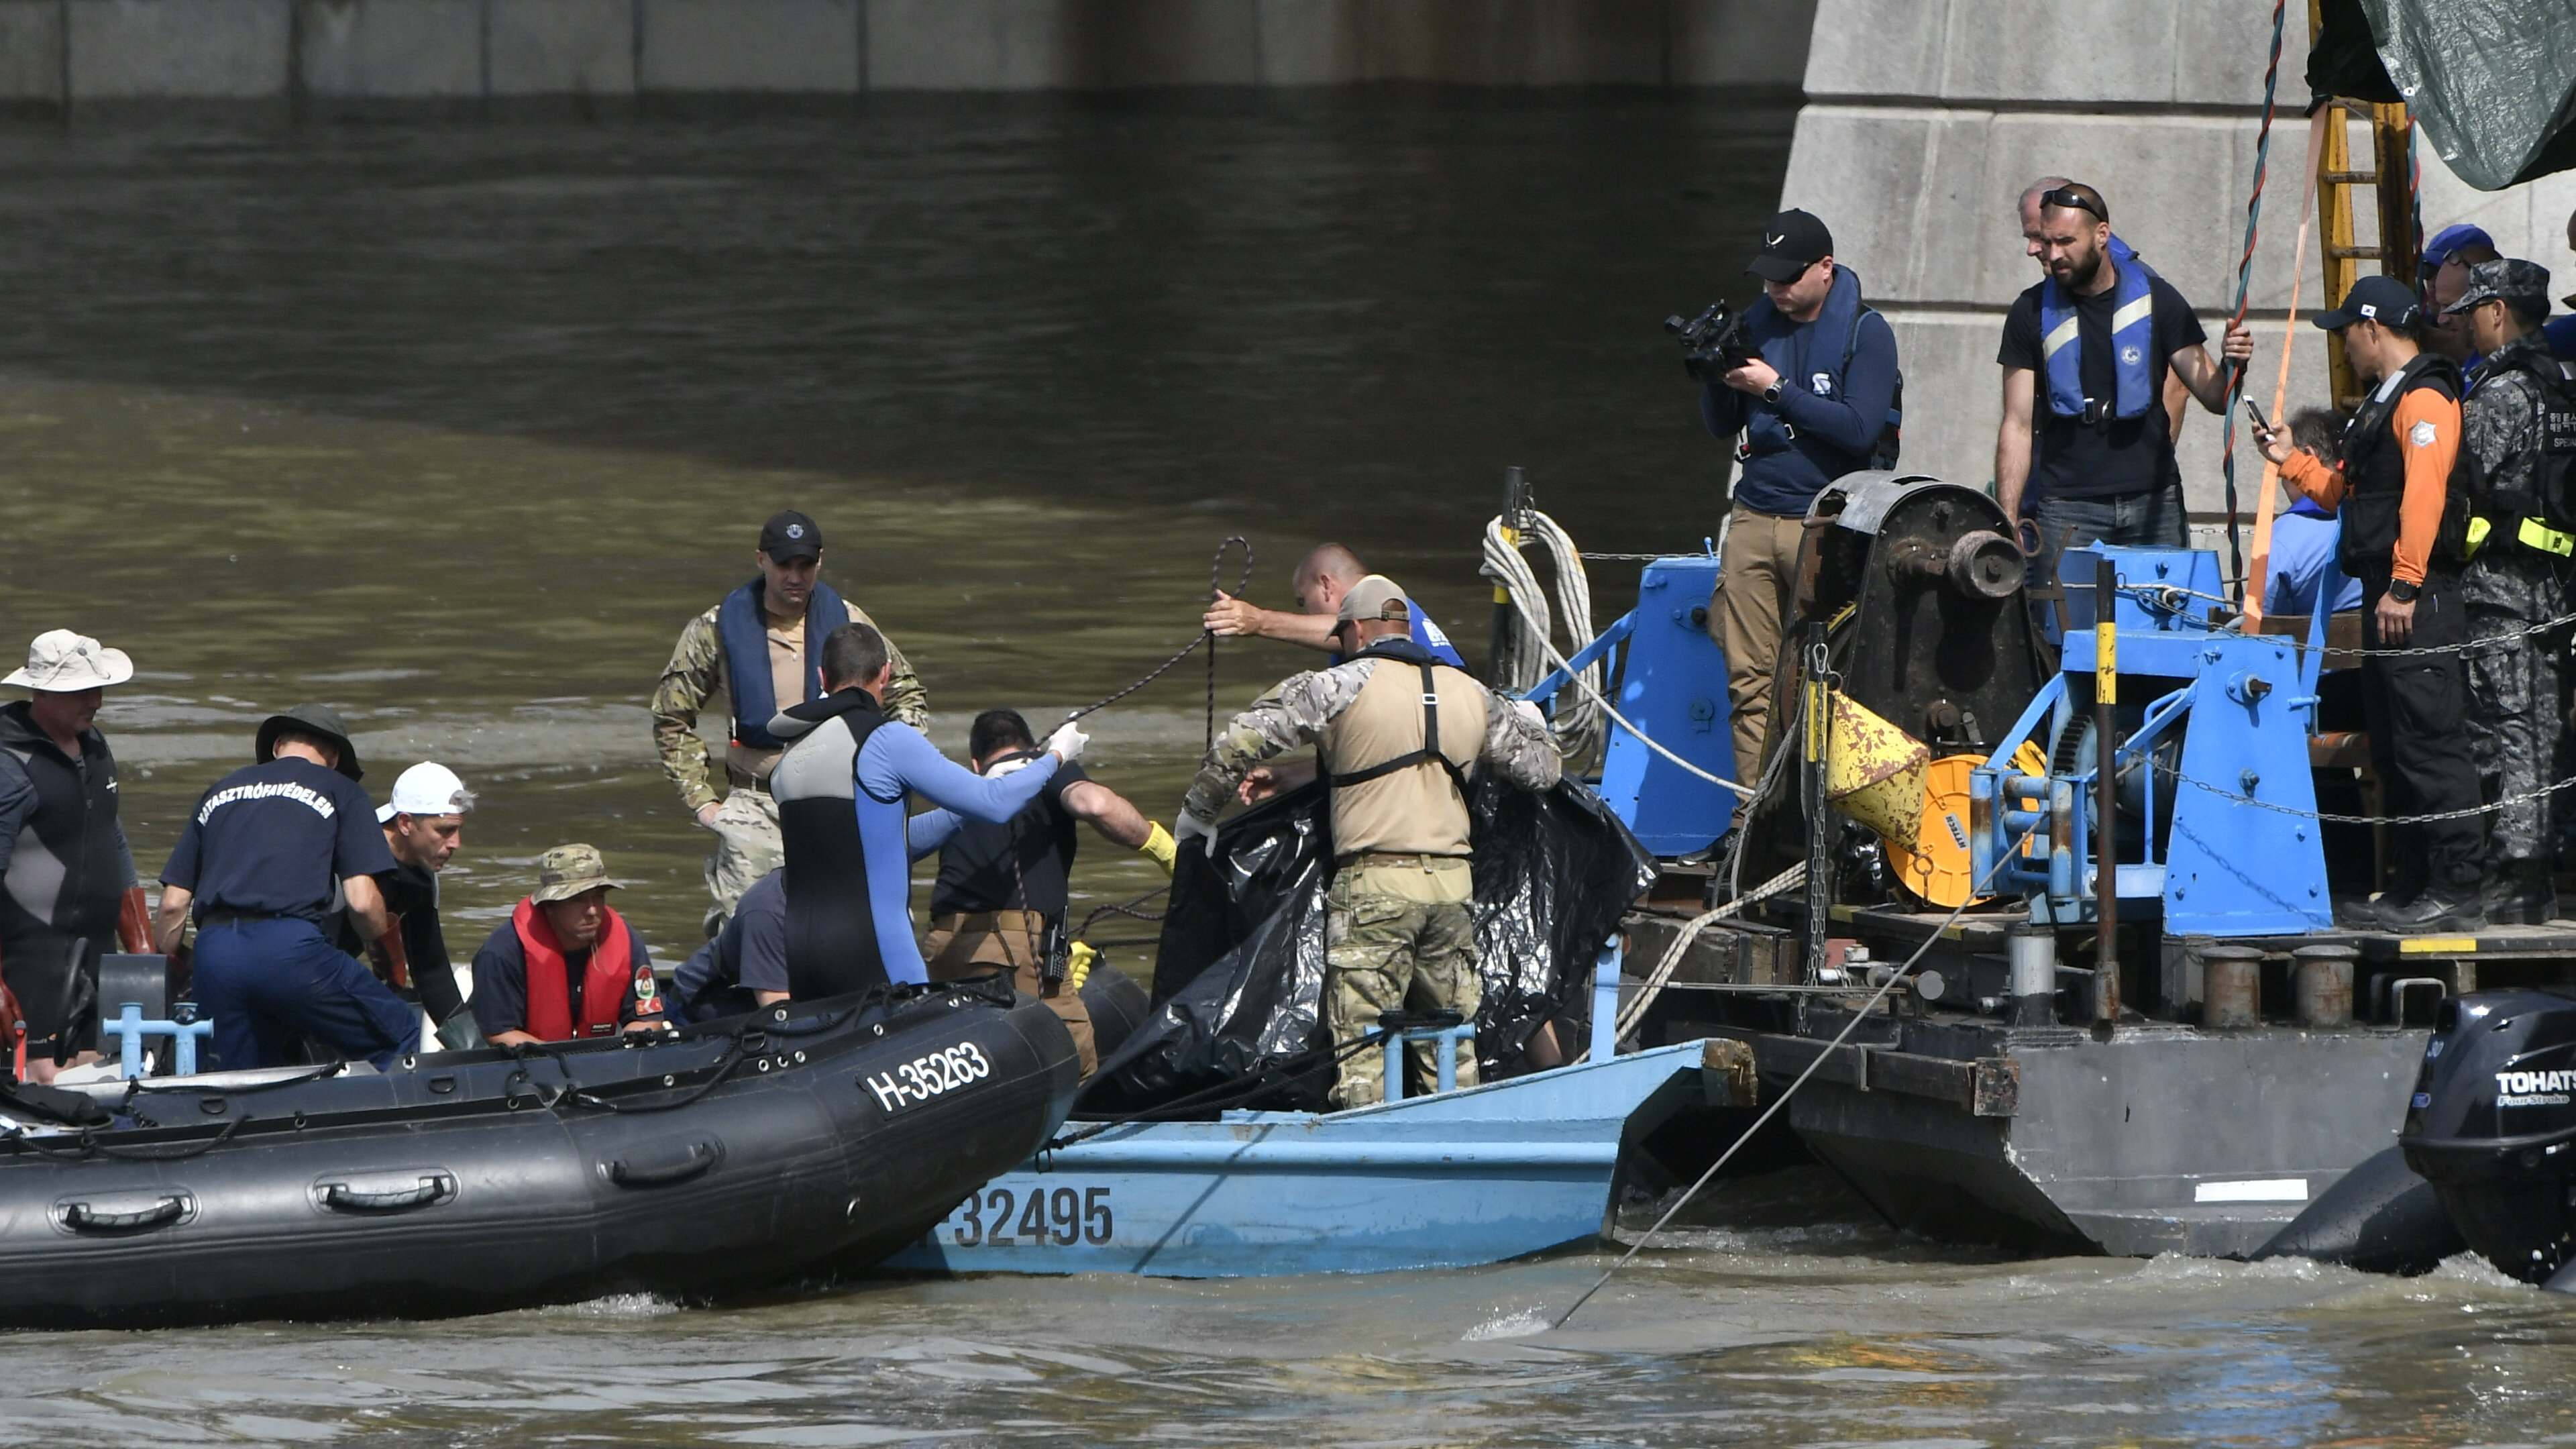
[1447, 1180]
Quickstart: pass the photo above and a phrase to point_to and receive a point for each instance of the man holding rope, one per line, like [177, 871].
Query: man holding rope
[2402, 494]
[1395, 731]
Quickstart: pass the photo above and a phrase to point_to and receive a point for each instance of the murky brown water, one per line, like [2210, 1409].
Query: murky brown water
[454, 426]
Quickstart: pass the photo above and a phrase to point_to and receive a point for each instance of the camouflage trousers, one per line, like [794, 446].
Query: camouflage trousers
[1386, 948]
[748, 846]
[2515, 733]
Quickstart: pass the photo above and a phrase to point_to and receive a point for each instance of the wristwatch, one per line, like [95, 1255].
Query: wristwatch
[1771, 394]
[2403, 592]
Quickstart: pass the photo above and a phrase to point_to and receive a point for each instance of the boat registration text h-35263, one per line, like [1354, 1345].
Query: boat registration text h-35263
[926, 1077]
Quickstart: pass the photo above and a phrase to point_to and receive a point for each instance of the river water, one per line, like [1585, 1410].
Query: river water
[453, 426]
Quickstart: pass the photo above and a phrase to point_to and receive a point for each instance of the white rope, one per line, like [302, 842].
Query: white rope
[1635, 1012]
[1602, 703]
[1528, 653]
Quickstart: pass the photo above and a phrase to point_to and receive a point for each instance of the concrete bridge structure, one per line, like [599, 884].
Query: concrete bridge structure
[1923, 119]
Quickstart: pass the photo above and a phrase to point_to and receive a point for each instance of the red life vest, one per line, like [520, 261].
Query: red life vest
[611, 974]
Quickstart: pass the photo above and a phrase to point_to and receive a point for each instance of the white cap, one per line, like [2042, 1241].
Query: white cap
[426, 789]
[62, 662]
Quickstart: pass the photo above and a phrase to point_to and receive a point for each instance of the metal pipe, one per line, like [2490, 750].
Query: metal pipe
[2031, 950]
[1819, 814]
[2231, 986]
[2106, 754]
[2323, 984]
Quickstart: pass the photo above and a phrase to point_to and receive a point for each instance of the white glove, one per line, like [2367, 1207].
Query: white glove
[1190, 827]
[1067, 742]
[1528, 709]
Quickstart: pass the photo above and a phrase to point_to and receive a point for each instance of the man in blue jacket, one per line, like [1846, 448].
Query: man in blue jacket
[1811, 408]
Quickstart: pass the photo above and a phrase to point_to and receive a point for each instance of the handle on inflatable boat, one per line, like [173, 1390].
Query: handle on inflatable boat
[81, 1217]
[701, 1156]
[430, 1188]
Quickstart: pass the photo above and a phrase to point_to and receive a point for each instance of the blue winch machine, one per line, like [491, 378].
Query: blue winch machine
[2213, 727]
[1672, 686]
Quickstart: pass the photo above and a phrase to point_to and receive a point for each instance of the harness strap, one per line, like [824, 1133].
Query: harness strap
[1429, 752]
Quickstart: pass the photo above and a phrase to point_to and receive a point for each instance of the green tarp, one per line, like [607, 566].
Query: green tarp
[2491, 82]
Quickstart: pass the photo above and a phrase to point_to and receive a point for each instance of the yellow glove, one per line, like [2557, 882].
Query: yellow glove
[1078, 970]
[1160, 846]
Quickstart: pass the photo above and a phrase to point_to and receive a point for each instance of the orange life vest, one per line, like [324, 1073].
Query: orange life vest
[611, 974]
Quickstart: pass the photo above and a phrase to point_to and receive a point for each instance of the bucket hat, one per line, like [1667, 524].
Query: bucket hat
[62, 662]
[320, 719]
[569, 870]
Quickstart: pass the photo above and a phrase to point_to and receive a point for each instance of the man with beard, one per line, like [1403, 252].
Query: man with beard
[2092, 442]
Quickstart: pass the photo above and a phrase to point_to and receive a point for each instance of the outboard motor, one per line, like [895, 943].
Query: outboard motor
[2492, 1126]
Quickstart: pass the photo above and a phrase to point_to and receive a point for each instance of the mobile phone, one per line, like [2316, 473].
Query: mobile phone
[2261, 423]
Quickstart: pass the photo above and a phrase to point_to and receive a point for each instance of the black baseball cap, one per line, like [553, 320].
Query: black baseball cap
[791, 535]
[2381, 298]
[1791, 243]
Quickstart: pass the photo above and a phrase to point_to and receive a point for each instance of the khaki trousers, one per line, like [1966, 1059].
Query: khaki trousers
[961, 946]
[1757, 587]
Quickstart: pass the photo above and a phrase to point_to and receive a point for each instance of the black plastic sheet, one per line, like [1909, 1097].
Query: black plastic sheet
[1239, 972]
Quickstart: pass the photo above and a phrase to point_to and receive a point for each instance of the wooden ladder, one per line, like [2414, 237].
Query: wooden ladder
[2393, 200]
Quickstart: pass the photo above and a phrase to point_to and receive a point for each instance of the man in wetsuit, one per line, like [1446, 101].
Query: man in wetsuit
[270, 851]
[423, 824]
[840, 789]
[760, 647]
[1003, 890]
[1395, 732]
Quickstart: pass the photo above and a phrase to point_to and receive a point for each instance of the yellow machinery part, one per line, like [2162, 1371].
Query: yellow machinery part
[1936, 869]
[1874, 772]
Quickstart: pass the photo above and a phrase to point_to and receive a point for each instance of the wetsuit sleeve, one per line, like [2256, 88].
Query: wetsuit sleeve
[1853, 421]
[2314, 478]
[899, 758]
[1294, 714]
[930, 830]
[17, 802]
[432, 974]
[2428, 438]
[905, 698]
[688, 682]
[501, 984]
[124, 858]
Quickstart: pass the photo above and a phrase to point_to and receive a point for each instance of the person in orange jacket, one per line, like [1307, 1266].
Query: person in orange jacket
[2402, 494]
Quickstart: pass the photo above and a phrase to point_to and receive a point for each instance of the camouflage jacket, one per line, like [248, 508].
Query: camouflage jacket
[1296, 712]
[2501, 427]
[696, 674]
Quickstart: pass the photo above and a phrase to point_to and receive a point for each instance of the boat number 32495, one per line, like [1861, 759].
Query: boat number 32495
[925, 1077]
[1001, 1218]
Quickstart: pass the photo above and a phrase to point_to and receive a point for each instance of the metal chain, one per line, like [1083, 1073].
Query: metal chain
[2241, 798]
[2477, 645]
[1633, 557]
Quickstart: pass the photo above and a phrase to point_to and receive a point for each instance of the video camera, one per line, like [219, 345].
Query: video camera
[1714, 342]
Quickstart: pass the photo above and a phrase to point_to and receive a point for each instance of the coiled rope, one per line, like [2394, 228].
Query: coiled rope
[2244, 282]
[1529, 652]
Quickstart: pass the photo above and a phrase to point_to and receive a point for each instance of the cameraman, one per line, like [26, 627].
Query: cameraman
[1811, 407]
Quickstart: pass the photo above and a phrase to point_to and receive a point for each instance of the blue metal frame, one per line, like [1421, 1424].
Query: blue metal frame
[2228, 865]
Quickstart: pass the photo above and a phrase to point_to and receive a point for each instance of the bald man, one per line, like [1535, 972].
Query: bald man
[1322, 577]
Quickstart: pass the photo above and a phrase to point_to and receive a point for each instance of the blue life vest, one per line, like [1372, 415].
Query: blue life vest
[744, 628]
[1765, 430]
[2133, 329]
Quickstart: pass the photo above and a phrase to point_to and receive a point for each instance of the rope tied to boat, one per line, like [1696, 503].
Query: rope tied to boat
[1901, 973]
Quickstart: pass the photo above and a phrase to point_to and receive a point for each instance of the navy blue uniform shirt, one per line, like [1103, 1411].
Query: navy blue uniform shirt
[749, 954]
[277, 840]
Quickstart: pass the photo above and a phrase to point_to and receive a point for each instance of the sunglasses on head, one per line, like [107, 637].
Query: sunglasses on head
[2075, 200]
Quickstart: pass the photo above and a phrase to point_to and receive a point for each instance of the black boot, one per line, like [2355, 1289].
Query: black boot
[2521, 893]
[2439, 908]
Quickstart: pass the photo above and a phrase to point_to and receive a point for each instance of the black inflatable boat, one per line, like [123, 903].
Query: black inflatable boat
[801, 1141]
[2492, 1126]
